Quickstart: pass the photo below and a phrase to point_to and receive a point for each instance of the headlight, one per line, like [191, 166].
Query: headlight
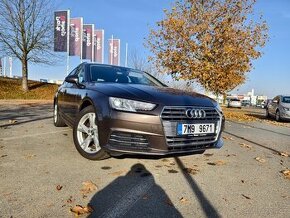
[130, 105]
[286, 109]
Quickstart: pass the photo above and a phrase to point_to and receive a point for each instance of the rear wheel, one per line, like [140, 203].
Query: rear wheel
[86, 135]
[278, 118]
[57, 119]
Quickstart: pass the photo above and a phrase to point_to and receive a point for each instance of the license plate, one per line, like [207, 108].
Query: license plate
[192, 129]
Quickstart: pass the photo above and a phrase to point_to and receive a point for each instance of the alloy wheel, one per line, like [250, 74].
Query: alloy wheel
[87, 134]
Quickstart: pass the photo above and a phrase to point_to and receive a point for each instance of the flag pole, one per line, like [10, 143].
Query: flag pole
[82, 36]
[112, 49]
[68, 29]
[126, 57]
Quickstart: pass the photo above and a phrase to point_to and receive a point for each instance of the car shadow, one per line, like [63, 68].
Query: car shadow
[133, 195]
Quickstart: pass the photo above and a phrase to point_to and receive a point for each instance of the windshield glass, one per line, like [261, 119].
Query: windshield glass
[113, 74]
[286, 99]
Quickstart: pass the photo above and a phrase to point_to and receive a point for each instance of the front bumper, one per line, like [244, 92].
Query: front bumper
[148, 134]
[285, 115]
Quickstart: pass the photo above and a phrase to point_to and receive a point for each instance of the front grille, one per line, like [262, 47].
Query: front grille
[178, 114]
[171, 116]
[128, 140]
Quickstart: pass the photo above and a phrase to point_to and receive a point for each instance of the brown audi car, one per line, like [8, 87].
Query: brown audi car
[116, 110]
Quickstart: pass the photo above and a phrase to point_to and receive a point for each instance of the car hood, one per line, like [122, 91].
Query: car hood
[158, 95]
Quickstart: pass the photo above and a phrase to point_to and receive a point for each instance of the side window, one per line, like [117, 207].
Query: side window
[81, 74]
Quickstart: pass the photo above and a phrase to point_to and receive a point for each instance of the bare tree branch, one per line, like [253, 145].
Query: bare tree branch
[26, 32]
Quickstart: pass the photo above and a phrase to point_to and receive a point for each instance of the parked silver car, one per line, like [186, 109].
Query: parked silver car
[279, 108]
[234, 102]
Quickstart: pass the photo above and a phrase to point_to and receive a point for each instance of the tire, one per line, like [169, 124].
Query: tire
[277, 116]
[57, 119]
[86, 136]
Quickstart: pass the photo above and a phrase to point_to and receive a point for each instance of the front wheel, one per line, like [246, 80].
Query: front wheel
[86, 136]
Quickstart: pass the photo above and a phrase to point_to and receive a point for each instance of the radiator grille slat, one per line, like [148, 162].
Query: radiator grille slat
[171, 116]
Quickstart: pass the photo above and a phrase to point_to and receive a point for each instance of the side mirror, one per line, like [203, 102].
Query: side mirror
[72, 79]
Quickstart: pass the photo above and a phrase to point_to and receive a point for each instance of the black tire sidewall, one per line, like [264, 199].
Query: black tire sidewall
[59, 122]
[101, 154]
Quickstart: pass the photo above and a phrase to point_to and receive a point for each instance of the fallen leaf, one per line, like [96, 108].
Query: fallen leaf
[70, 200]
[217, 163]
[208, 155]
[88, 187]
[243, 181]
[30, 156]
[259, 159]
[245, 196]
[284, 154]
[117, 173]
[58, 187]
[191, 171]
[4, 155]
[286, 173]
[172, 171]
[106, 168]
[183, 200]
[244, 145]
[158, 166]
[78, 209]
[228, 138]
[172, 163]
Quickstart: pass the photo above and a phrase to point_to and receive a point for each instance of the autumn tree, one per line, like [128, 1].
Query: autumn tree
[212, 42]
[26, 32]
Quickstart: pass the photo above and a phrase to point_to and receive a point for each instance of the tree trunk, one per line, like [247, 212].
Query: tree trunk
[25, 75]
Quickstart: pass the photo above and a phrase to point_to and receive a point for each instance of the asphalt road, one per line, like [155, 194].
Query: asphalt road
[36, 157]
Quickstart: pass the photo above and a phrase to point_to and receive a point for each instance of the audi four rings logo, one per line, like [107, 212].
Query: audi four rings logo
[195, 113]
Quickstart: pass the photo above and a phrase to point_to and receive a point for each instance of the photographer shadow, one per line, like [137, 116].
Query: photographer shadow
[134, 195]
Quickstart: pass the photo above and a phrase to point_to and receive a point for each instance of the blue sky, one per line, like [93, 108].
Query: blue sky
[130, 21]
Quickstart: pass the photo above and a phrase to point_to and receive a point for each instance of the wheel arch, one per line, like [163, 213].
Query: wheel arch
[85, 103]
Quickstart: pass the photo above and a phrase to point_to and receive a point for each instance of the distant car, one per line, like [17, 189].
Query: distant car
[235, 103]
[279, 108]
[116, 110]
[245, 103]
[268, 101]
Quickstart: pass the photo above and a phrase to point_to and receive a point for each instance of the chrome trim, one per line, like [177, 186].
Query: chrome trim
[173, 122]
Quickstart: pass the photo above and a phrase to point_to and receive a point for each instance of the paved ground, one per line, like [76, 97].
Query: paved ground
[36, 157]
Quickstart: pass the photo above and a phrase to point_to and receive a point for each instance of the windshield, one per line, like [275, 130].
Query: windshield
[286, 99]
[112, 74]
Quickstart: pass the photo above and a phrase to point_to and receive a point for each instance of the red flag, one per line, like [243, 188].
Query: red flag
[114, 51]
[75, 41]
[99, 46]
[88, 40]
[61, 20]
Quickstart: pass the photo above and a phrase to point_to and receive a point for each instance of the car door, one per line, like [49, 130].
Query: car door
[62, 95]
[78, 91]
